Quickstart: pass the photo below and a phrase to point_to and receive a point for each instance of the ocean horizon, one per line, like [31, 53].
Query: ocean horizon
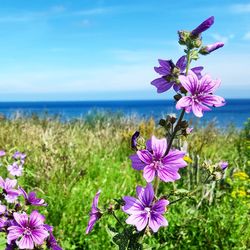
[236, 111]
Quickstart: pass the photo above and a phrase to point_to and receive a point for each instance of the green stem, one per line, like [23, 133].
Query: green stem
[188, 195]
[156, 185]
[176, 129]
[113, 213]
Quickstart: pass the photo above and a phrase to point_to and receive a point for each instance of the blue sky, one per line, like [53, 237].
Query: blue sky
[106, 49]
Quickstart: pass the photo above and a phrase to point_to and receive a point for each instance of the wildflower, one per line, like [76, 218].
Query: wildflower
[154, 162]
[15, 169]
[51, 240]
[10, 193]
[240, 175]
[2, 153]
[19, 156]
[170, 73]
[210, 48]
[144, 211]
[203, 26]
[3, 219]
[52, 243]
[28, 232]
[223, 165]
[201, 94]
[31, 199]
[95, 213]
[134, 140]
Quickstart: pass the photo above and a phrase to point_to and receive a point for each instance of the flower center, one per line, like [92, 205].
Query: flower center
[147, 209]
[27, 231]
[157, 165]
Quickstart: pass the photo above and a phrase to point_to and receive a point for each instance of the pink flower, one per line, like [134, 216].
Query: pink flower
[144, 211]
[8, 186]
[154, 162]
[95, 213]
[201, 94]
[15, 169]
[28, 232]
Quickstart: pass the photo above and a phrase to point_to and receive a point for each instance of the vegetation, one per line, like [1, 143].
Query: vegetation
[69, 161]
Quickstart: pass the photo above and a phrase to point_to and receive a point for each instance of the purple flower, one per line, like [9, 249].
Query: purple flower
[134, 140]
[201, 94]
[223, 165]
[170, 73]
[51, 240]
[2, 153]
[15, 169]
[95, 213]
[19, 156]
[52, 243]
[203, 26]
[144, 211]
[31, 199]
[154, 162]
[10, 193]
[210, 48]
[2, 209]
[28, 232]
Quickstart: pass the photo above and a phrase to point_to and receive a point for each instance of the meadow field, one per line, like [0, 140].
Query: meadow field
[67, 162]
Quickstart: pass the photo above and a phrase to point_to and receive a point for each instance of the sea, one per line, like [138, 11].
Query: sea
[235, 112]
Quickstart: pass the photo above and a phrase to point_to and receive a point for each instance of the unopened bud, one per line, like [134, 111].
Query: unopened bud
[210, 48]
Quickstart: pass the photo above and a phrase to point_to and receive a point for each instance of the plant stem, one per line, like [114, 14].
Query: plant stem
[156, 185]
[113, 213]
[176, 129]
[188, 195]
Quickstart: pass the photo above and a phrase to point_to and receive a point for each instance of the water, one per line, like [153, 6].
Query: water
[237, 111]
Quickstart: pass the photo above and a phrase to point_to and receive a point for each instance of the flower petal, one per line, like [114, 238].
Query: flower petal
[21, 219]
[36, 219]
[197, 109]
[149, 173]
[189, 82]
[15, 232]
[160, 206]
[156, 221]
[182, 63]
[145, 156]
[139, 220]
[174, 159]
[145, 195]
[39, 235]
[162, 85]
[184, 102]
[168, 175]
[137, 164]
[197, 71]
[132, 205]
[26, 242]
[159, 147]
[212, 100]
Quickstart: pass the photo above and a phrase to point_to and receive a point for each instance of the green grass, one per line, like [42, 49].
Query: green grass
[68, 162]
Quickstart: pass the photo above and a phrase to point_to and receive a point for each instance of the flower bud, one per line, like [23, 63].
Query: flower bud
[177, 97]
[203, 26]
[134, 140]
[162, 122]
[210, 48]
[183, 37]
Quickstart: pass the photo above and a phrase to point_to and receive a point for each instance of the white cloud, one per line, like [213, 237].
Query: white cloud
[246, 36]
[240, 8]
[84, 23]
[222, 38]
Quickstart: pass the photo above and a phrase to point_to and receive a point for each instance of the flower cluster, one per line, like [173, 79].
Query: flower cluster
[158, 160]
[25, 228]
